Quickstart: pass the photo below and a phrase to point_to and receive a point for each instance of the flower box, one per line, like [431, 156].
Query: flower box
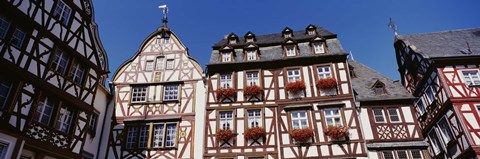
[326, 83]
[224, 135]
[295, 86]
[226, 93]
[336, 132]
[301, 135]
[253, 93]
[255, 133]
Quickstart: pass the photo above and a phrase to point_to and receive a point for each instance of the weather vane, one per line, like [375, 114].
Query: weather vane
[165, 11]
[393, 26]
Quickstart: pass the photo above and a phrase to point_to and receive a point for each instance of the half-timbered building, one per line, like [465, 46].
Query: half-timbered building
[387, 115]
[159, 101]
[52, 95]
[278, 96]
[441, 70]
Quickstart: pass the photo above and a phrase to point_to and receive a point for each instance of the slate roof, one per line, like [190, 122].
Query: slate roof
[271, 49]
[367, 77]
[445, 44]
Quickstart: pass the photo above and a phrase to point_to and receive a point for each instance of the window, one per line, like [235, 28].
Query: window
[170, 92]
[387, 154]
[249, 39]
[444, 130]
[166, 40]
[293, 75]
[226, 120]
[291, 50]
[60, 62]
[226, 56]
[416, 154]
[318, 48]
[17, 38]
[420, 107]
[5, 88]
[430, 95]
[62, 12]
[226, 80]
[232, 41]
[287, 35]
[143, 137]
[254, 118]
[93, 123]
[4, 25]
[164, 135]
[324, 72]
[393, 114]
[299, 119]
[251, 55]
[3, 149]
[159, 65]
[311, 32]
[434, 142]
[77, 73]
[379, 116]
[139, 94]
[379, 89]
[64, 120]
[44, 111]
[471, 77]
[333, 117]
[402, 154]
[252, 78]
[149, 65]
[131, 137]
[170, 64]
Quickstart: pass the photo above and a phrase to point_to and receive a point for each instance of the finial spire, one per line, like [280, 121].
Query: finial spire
[165, 11]
[393, 26]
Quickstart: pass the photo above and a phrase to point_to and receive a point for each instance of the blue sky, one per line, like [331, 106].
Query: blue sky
[361, 25]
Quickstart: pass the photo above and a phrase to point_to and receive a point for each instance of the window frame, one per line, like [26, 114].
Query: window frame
[319, 48]
[77, 74]
[4, 150]
[325, 73]
[149, 135]
[293, 75]
[224, 81]
[232, 120]
[134, 94]
[252, 79]
[149, 65]
[399, 116]
[42, 104]
[469, 79]
[19, 35]
[59, 12]
[170, 64]
[64, 122]
[340, 116]
[435, 143]
[377, 115]
[160, 64]
[178, 92]
[226, 56]
[8, 86]
[299, 119]
[259, 118]
[93, 122]
[60, 59]
[290, 50]
[421, 110]
[251, 55]
[4, 19]
[447, 135]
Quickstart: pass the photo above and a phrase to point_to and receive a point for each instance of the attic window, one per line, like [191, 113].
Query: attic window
[249, 40]
[290, 50]
[379, 89]
[352, 72]
[287, 35]
[311, 32]
[232, 41]
[226, 56]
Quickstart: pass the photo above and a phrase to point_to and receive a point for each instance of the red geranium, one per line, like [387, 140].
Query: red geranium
[326, 83]
[224, 135]
[295, 86]
[301, 135]
[336, 132]
[252, 90]
[226, 92]
[255, 133]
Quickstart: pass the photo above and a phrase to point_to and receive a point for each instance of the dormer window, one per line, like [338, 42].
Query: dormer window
[249, 40]
[232, 38]
[319, 48]
[226, 56]
[288, 35]
[379, 89]
[251, 55]
[232, 41]
[290, 50]
[311, 32]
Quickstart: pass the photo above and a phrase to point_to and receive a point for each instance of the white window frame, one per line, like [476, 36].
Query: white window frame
[3, 149]
[311, 32]
[324, 72]
[378, 115]
[251, 55]
[319, 48]
[170, 64]
[139, 94]
[445, 131]
[143, 135]
[171, 92]
[254, 118]
[398, 115]
[77, 73]
[159, 65]
[4, 25]
[149, 65]
[252, 78]
[17, 38]
[471, 77]
[232, 41]
[299, 119]
[93, 121]
[332, 116]
[45, 110]
[164, 135]
[430, 94]
[293, 75]
[287, 35]
[62, 12]
[419, 152]
[435, 143]
[420, 105]
[226, 56]
[390, 152]
[6, 87]
[60, 62]
[290, 50]
[226, 81]
[225, 119]
[249, 39]
[64, 120]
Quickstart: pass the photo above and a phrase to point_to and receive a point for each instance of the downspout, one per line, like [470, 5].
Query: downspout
[110, 86]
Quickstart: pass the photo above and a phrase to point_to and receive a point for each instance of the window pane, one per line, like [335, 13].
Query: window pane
[416, 154]
[158, 135]
[254, 118]
[60, 62]
[387, 155]
[226, 120]
[4, 24]
[171, 135]
[170, 92]
[402, 155]
[77, 73]
[378, 115]
[3, 149]
[445, 130]
[131, 137]
[139, 94]
[226, 80]
[17, 38]
[64, 120]
[143, 139]
[44, 111]
[393, 113]
[149, 65]
[159, 64]
[5, 88]
[170, 63]
[299, 119]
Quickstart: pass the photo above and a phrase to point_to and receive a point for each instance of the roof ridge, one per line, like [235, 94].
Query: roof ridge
[437, 32]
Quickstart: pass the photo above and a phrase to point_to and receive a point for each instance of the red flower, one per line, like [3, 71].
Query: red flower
[336, 132]
[295, 86]
[301, 135]
[226, 92]
[224, 135]
[326, 83]
[255, 133]
[252, 90]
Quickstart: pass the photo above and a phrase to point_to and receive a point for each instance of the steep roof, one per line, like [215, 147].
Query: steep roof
[445, 44]
[365, 79]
